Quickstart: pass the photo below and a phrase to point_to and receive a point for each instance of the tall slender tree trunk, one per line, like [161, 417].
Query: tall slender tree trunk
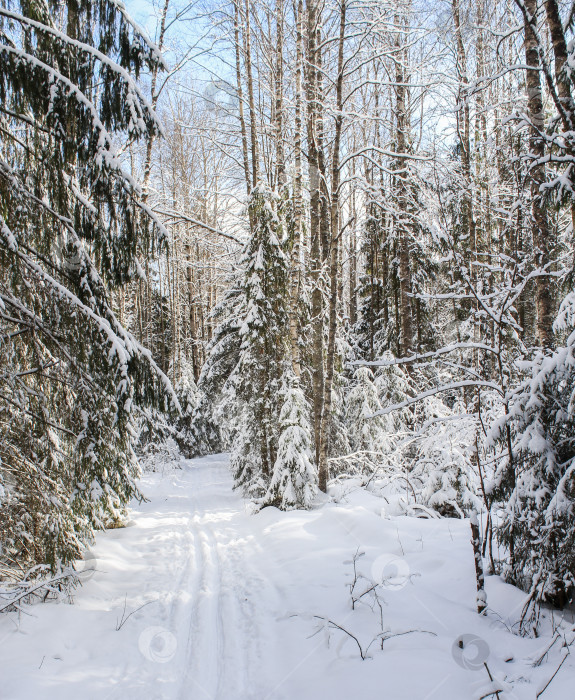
[564, 102]
[154, 102]
[541, 229]
[402, 132]
[240, 92]
[463, 129]
[278, 96]
[316, 261]
[566, 106]
[295, 268]
[333, 259]
[145, 289]
[353, 253]
[251, 98]
[192, 316]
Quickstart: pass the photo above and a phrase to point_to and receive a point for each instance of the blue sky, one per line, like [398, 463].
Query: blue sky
[144, 13]
[206, 67]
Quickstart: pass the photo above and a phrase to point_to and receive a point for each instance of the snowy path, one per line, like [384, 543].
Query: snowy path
[229, 598]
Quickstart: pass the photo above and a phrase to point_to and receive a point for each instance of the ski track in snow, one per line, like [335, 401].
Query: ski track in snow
[228, 602]
[219, 632]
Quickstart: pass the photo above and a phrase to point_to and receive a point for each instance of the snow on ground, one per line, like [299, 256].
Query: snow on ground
[232, 601]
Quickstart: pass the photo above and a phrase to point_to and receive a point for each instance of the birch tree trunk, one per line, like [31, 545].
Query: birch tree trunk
[240, 92]
[278, 97]
[353, 253]
[463, 130]
[565, 104]
[334, 257]
[295, 268]
[315, 263]
[251, 99]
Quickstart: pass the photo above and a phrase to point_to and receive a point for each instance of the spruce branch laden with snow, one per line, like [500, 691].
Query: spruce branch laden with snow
[71, 228]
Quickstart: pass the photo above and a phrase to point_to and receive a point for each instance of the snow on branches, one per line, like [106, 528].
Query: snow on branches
[71, 227]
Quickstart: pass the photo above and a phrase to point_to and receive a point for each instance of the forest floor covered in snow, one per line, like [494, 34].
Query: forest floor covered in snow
[199, 599]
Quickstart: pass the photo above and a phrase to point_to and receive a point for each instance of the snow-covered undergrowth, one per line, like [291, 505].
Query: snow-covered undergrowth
[197, 598]
[159, 456]
[38, 584]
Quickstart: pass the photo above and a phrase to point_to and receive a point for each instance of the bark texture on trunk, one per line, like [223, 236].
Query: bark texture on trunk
[477, 555]
[333, 261]
[251, 98]
[541, 229]
[239, 88]
[295, 271]
[278, 96]
[401, 136]
[315, 263]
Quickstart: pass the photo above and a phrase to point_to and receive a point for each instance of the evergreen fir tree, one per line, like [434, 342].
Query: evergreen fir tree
[339, 436]
[189, 399]
[257, 404]
[441, 459]
[372, 328]
[538, 482]
[71, 226]
[294, 477]
[378, 328]
[256, 380]
[214, 422]
[367, 430]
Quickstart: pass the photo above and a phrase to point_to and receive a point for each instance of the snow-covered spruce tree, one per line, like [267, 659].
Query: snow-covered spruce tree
[167, 435]
[256, 402]
[367, 430]
[371, 328]
[215, 420]
[374, 392]
[71, 226]
[440, 460]
[188, 398]
[382, 319]
[538, 483]
[255, 384]
[396, 387]
[294, 476]
[339, 442]
[416, 434]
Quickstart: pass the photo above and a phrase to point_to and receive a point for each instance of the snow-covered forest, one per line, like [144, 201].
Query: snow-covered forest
[287, 349]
